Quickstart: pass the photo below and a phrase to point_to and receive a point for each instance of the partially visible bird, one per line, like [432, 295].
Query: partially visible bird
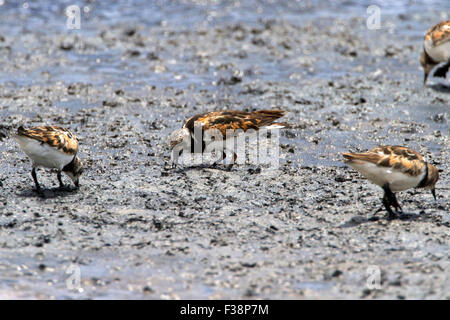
[394, 168]
[436, 49]
[51, 147]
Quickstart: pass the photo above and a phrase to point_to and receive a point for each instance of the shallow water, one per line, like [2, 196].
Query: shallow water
[106, 65]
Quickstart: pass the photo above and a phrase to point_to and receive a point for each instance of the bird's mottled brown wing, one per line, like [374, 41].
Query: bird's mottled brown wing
[407, 153]
[233, 120]
[396, 157]
[57, 137]
[440, 33]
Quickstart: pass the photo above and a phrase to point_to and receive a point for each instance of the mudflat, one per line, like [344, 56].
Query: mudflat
[139, 229]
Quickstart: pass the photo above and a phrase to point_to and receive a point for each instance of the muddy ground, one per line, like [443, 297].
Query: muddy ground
[139, 229]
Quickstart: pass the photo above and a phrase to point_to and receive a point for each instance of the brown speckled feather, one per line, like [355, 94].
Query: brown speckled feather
[57, 137]
[440, 33]
[233, 120]
[399, 158]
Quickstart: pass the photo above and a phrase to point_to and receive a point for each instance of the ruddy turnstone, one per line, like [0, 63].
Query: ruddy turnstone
[436, 49]
[394, 168]
[51, 147]
[224, 122]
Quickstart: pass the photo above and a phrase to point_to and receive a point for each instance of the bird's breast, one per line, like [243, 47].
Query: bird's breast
[440, 53]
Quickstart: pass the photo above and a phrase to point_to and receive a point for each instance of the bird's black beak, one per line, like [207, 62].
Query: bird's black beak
[425, 77]
[433, 192]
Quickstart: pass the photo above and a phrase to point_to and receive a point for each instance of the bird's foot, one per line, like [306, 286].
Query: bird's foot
[374, 216]
[39, 192]
[65, 188]
[397, 208]
[391, 215]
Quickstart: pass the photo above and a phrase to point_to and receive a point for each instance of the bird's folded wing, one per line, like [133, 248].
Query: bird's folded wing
[234, 120]
[54, 136]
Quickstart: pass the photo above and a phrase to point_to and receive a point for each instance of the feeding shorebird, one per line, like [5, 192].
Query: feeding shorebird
[394, 168]
[51, 147]
[436, 49]
[224, 122]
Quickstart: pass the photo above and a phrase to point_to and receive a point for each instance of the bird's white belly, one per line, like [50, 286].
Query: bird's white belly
[43, 155]
[401, 181]
[440, 53]
[396, 180]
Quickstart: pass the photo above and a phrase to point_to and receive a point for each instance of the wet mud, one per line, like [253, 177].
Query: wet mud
[139, 229]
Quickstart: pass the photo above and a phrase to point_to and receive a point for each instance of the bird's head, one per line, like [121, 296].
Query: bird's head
[177, 137]
[74, 170]
[432, 178]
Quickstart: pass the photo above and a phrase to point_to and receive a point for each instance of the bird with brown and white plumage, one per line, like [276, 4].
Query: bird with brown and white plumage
[394, 168]
[51, 147]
